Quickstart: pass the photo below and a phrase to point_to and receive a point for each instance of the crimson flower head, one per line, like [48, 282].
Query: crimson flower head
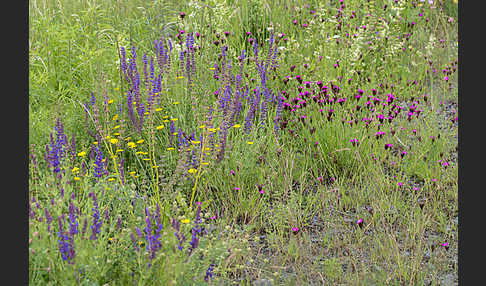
[360, 222]
[354, 141]
[295, 229]
[379, 134]
[445, 245]
[260, 189]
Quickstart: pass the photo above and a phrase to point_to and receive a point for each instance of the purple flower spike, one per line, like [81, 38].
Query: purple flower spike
[96, 227]
[209, 273]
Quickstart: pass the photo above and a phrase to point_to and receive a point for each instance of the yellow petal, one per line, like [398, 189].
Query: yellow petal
[131, 144]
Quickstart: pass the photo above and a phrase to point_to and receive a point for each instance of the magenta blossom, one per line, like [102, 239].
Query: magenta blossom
[295, 229]
[379, 134]
[260, 189]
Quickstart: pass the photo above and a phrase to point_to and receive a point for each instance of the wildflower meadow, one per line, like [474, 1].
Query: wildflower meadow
[252, 142]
